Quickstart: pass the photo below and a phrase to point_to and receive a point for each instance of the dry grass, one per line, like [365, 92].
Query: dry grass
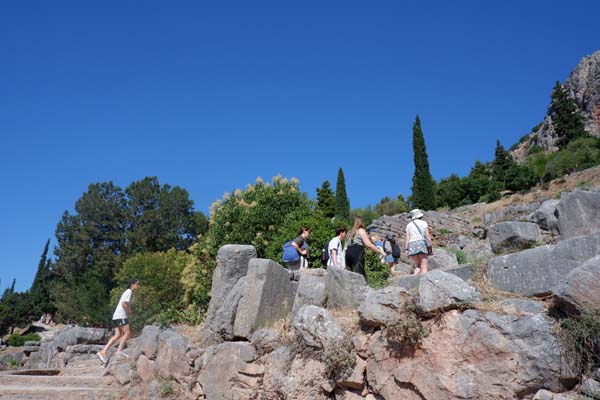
[348, 320]
[192, 332]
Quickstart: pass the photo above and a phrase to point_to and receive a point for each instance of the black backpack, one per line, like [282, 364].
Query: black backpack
[395, 248]
[325, 254]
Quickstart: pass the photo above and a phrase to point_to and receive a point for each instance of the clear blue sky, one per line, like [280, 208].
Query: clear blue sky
[209, 98]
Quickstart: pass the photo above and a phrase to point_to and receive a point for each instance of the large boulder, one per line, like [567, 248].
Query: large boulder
[316, 327]
[511, 212]
[311, 289]
[78, 335]
[580, 290]
[578, 214]
[442, 258]
[268, 297]
[544, 216]
[383, 306]
[439, 290]
[464, 272]
[345, 289]
[171, 362]
[148, 341]
[537, 271]
[513, 235]
[470, 355]
[232, 265]
[229, 372]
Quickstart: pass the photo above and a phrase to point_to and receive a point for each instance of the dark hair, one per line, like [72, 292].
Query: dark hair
[304, 228]
[339, 230]
[132, 282]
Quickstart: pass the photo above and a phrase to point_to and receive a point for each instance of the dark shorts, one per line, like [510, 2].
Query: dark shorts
[121, 322]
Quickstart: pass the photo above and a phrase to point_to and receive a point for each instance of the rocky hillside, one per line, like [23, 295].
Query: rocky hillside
[485, 323]
[584, 87]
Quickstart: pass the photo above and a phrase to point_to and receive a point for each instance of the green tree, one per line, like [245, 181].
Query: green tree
[39, 292]
[326, 200]
[342, 204]
[450, 191]
[161, 293]
[254, 215]
[567, 121]
[368, 214]
[503, 161]
[161, 217]
[423, 187]
[389, 206]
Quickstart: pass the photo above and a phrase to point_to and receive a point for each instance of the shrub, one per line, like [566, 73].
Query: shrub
[461, 256]
[166, 389]
[408, 330]
[376, 271]
[18, 340]
[339, 357]
[581, 338]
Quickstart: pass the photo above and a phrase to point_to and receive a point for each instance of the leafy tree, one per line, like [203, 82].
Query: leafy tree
[161, 291]
[520, 178]
[40, 288]
[388, 206]
[503, 161]
[450, 191]
[254, 215]
[15, 309]
[326, 200]
[200, 222]
[423, 187]
[161, 217]
[567, 121]
[342, 204]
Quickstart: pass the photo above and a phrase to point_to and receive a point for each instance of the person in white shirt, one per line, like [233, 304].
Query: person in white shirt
[121, 321]
[336, 249]
[415, 244]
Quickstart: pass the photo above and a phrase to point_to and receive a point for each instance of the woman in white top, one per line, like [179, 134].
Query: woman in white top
[415, 245]
[121, 321]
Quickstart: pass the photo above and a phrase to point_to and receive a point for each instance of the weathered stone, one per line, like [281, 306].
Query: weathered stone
[537, 271]
[384, 306]
[311, 289]
[148, 341]
[316, 327]
[470, 355]
[439, 290]
[591, 388]
[267, 298]
[464, 272]
[145, 368]
[122, 373]
[221, 326]
[78, 335]
[356, 379]
[223, 364]
[170, 361]
[513, 235]
[544, 216]
[305, 379]
[580, 289]
[343, 394]
[232, 264]
[578, 214]
[511, 212]
[345, 289]
[442, 258]
[265, 340]
[35, 343]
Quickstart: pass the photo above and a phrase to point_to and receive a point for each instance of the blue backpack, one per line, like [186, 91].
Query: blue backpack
[290, 254]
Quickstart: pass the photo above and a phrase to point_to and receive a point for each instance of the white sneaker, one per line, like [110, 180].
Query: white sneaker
[101, 357]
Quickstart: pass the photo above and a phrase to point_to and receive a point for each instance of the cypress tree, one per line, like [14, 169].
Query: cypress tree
[503, 162]
[568, 123]
[342, 204]
[326, 200]
[423, 188]
[40, 288]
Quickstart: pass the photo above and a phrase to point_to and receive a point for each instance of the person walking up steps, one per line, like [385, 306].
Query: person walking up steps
[121, 321]
[336, 249]
[355, 252]
[418, 242]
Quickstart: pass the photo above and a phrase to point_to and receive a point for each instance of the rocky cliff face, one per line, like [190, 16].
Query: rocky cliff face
[584, 87]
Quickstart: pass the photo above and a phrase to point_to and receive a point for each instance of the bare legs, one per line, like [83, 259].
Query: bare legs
[123, 333]
[421, 262]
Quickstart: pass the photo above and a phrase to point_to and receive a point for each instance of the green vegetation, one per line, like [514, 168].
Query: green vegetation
[166, 389]
[568, 123]
[342, 204]
[325, 200]
[461, 256]
[423, 187]
[580, 336]
[18, 340]
[339, 357]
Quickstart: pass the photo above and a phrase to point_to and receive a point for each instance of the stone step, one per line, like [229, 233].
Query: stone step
[54, 381]
[62, 393]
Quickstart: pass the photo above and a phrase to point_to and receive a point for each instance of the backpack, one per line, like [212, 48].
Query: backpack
[325, 254]
[395, 248]
[290, 254]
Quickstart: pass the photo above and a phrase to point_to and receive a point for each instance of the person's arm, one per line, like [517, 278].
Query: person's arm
[299, 249]
[367, 242]
[427, 234]
[333, 256]
[127, 308]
